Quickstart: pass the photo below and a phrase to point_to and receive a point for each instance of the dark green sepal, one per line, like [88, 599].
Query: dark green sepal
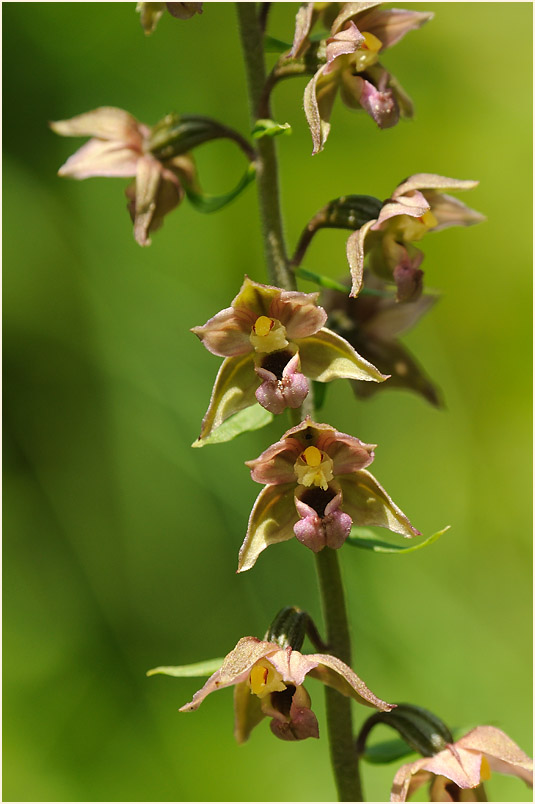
[289, 628]
[423, 731]
[350, 212]
[175, 135]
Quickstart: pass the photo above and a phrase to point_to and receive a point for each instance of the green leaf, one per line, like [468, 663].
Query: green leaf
[322, 281]
[197, 670]
[269, 128]
[366, 539]
[272, 45]
[387, 751]
[252, 418]
[213, 203]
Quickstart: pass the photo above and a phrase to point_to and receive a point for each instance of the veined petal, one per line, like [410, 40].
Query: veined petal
[391, 25]
[298, 312]
[503, 754]
[276, 464]
[100, 158]
[345, 42]
[432, 181]
[449, 211]
[247, 712]
[225, 334]
[106, 123]
[214, 683]
[271, 521]
[234, 389]
[348, 453]
[355, 255]
[368, 504]
[445, 763]
[247, 652]
[318, 100]
[414, 205]
[326, 356]
[335, 673]
[350, 11]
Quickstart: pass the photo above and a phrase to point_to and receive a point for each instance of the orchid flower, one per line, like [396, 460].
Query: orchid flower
[119, 147]
[268, 682]
[316, 487]
[359, 33]
[418, 205]
[272, 340]
[455, 772]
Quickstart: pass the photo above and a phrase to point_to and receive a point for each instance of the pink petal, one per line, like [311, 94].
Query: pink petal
[355, 250]
[390, 26]
[299, 313]
[432, 181]
[106, 123]
[333, 672]
[225, 334]
[345, 42]
[414, 205]
[276, 464]
[278, 393]
[100, 158]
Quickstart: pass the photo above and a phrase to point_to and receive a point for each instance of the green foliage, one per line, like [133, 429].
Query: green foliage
[197, 670]
[367, 540]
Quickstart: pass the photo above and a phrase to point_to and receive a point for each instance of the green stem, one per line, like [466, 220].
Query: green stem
[267, 172]
[343, 755]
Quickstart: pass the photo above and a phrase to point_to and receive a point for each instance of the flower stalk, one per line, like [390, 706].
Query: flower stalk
[339, 722]
[267, 173]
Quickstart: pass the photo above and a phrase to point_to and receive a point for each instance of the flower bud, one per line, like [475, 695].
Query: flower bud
[423, 731]
[289, 627]
[350, 212]
[177, 134]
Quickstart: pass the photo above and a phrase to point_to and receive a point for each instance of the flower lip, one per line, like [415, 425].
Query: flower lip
[318, 498]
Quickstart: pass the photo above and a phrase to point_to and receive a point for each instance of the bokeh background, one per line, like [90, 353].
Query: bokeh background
[120, 542]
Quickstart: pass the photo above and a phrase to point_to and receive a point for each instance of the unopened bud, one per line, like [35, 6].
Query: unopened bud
[423, 731]
[289, 627]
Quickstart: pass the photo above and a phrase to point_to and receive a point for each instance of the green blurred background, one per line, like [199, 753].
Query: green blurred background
[120, 542]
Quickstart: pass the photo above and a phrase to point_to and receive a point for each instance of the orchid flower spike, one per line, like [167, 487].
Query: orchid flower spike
[459, 769]
[272, 340]
[417, 206]
[359, 33]
[316, 487]
[268, 682]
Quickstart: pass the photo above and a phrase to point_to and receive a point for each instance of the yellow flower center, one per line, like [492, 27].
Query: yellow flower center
[268, 334]
[412, 228]
[314, 468]
[485, 772]
[368, 52]
[264, 679]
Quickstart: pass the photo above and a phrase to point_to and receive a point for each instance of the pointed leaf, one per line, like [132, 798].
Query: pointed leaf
[273, 45]
[269, 128]
[198, 670]
[366, 539]
[252, 418]
[213, 203]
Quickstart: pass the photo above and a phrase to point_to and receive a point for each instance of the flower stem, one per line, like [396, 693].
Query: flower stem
[267, 173]
[343, 755]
